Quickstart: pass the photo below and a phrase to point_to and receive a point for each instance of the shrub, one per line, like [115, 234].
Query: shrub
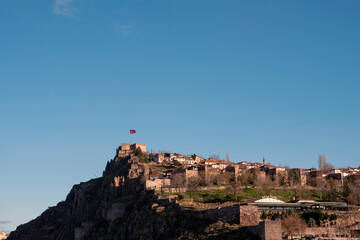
[176, 163]
[333, 217]
[275, 216]
[311, 222]
[144, 160]
[317, 215]
[138, 152]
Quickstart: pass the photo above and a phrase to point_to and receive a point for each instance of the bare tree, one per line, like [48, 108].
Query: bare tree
[193, 185]
[234, 188]
[217, 179]
[329, 166]
[228, 157]
[267, 185]
[322, 162]
[246, 179]
[354, 198]
[293, 224]
[177, 181]
[216, 157]
[323, 165]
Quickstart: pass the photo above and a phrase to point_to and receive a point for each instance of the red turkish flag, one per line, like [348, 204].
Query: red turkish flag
[132, 131]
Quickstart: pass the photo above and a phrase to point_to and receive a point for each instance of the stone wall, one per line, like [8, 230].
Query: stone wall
[126, 148]
[346, 218]
[191, 174]
[185, 189]
[156, 184]
[270, 230]
[320, 230]
[138, 145]
[228, 214]
[267, 230]
[249, 215]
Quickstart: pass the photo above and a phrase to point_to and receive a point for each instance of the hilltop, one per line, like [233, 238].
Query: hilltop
[118, 206]
[162, 195]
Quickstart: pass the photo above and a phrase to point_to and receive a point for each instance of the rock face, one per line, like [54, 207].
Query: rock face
[114, 206]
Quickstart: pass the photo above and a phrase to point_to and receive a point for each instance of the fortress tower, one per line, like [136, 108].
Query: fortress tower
[126, 148]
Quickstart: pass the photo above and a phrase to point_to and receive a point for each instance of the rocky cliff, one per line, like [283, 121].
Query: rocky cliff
[114, 206]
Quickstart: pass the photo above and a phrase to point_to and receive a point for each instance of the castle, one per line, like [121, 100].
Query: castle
[126, 149]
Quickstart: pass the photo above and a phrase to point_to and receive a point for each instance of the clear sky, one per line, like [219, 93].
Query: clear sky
[273, 79]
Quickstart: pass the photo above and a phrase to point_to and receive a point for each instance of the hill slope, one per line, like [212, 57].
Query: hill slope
[116, 206]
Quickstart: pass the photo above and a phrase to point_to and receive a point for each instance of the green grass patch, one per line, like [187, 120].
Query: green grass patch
[210, 196]
[163, 167]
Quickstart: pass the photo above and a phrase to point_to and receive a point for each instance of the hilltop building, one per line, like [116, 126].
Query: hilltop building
[126, 148]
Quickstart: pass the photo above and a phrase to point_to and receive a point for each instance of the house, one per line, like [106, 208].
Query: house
[216, 166]
[154, 176]
[223, 164]
[199, 159]
[177, 157]
[210, 162]
[159, 157]
[243, 163]
[353, 170]
[333, 171]
[189, 161]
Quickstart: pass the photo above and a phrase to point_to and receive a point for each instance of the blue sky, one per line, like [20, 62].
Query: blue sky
[274, 79]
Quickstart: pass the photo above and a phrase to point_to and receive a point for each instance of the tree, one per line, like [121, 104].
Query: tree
[311, 222]
[218, 179]
[177, 181]
[267, 185]
[323, 165]
[216, 157]
[234, 188]
[292, 223]
[351, 191]
[228, 157]
[244, 179]
[322, 162]
[138, 152]
[193, 185]
[176, 163]
[294, 176]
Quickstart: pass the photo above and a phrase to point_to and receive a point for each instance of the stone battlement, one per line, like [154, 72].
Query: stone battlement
[126, 148]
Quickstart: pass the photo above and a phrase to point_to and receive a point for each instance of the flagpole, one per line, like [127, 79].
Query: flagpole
[129, 138]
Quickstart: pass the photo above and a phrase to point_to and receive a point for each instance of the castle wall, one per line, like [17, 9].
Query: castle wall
[249, 215]
[125, 146]
[267, 230]
[156, 184]
[225, 214]
[138, 145]
[190, 174]
[126, 149]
